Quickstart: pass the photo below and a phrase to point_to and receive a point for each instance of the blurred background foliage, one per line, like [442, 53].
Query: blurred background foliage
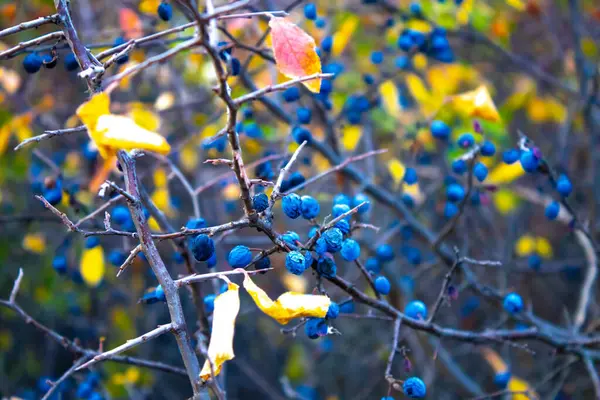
[523, 51]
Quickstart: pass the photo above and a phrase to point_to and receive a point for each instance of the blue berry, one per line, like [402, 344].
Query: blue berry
[292, 205]
[501, 379]
[340, 209]
[384, 253]
[124, 58]
[32, 63]
[333, 311]
[84, 390]
[510, 156]
[117, 257]
[513, 303]
[196, 223]
[253, 130]
[459, 166]
[382, 285]
[304, 115]
[341, 198]
[120, 215]
[165, 11]
[321, 246]
[260, 202]
[326, 45]
[552, 210]
[416, 309]
[291, 238]
[295, 179]
[71, 63]
[212, 261]
[410, 176]
[310, 11]
[320, 23]
[412, 254]
[92, 242]
[54, 195]
[49, 61]
[291, 94]
[368, 79]
[209, 303]
[239, 257]
[488, 149]
[480, 171]
[202, 247]
[529, 161]
[563, 185]
[405, 42]
[343, 226]
[263, 263]
[59, 263]
[347, 307]
[315, 328]
[310, 207]
[301, 135]
[402, 62]
[372, 265]
[450, 210]
[377, 57]
[465, 140]
[534, 261]
[350, 250]
[326, 266]
[159, 292]
[414, 388]
[295, 263]
[440, 130]
[333, 239]
[236, 66]
[455, 192]
[360, 198]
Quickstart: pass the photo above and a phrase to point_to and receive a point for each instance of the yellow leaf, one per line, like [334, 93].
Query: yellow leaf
[389, 93]
[144, 118]
[417, 88]
[419, 61]
[132, 374]
[558, 112]
[343, 35]
[397, 170]
[505, 173]
[351, 136]
[295, 52]
[220, 348]
[505, 201]
[111, 132]
[289, 305]
[517, 4]
[525, 245]
[464, 12]
[5, 134]
[149, 6]
[10, 80]
[537, 110]
[419, 25]
[91, 266]
[160, 178]
[294, 283]
[162, 200]
[164, 101]
[543, 247]
[495, 361]
[34, 242]
[189, 158]
[477, 104]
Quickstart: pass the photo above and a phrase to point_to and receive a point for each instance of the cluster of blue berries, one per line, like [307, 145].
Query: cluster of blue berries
[434, 45]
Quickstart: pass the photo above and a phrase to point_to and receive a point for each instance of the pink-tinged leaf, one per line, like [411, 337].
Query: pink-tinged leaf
[295, 52]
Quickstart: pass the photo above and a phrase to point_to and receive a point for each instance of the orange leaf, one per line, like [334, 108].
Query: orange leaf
[130, 23]
[295, 52]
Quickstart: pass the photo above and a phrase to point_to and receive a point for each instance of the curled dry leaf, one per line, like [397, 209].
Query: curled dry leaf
[220, 348]
[289, 305]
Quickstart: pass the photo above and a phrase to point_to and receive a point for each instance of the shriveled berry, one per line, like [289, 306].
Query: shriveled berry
[202, 247]
[292, 205]
[414, 388]
[310, 207]
[295, 263]
[239, 257]
[260, 202]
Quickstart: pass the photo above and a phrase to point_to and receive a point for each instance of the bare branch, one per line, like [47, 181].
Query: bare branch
[13, 51]
[282, 86]
[16, 286]
[127, 345]
[35, 23]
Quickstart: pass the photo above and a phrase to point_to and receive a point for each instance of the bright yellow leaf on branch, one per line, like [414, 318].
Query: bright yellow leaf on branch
[112, 133]
[220, 348]
[295, 52]
[289, 305]
[351, 136]
[91, 266]
[397, 170]
[505, 173]
[477, 104]
[343, 35]
[389, 95]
